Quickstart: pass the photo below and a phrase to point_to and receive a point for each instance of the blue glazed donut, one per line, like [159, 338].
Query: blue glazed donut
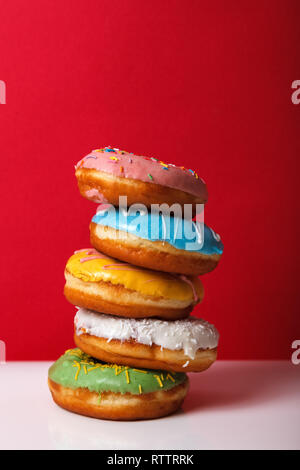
[156, 240]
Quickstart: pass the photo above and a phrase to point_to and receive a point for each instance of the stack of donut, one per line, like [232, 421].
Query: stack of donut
[134, 290]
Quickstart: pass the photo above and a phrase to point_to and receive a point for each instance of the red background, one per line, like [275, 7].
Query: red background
[161, 78]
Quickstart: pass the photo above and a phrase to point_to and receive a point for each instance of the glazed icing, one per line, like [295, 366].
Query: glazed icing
[151, 170]
[75, 369]
[189, 334]
[90, 265]
[183, 234]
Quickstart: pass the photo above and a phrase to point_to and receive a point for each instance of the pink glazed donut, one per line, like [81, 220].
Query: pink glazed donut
[105, 174]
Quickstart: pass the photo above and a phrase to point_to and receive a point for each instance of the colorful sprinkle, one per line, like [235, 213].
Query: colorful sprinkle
[118, 370]
[150, 176]
[93, 368]
[159, 381]
[169, 376]
[78, 369]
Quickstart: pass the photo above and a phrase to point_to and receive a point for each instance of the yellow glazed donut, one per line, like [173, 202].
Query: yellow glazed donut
[106, 285]
[105, 174]
[188, 345]
[81, 384]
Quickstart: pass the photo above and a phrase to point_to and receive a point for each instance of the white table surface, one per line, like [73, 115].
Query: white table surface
[233, 405]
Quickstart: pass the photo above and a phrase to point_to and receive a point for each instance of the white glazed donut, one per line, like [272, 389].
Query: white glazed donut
[188, 345]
